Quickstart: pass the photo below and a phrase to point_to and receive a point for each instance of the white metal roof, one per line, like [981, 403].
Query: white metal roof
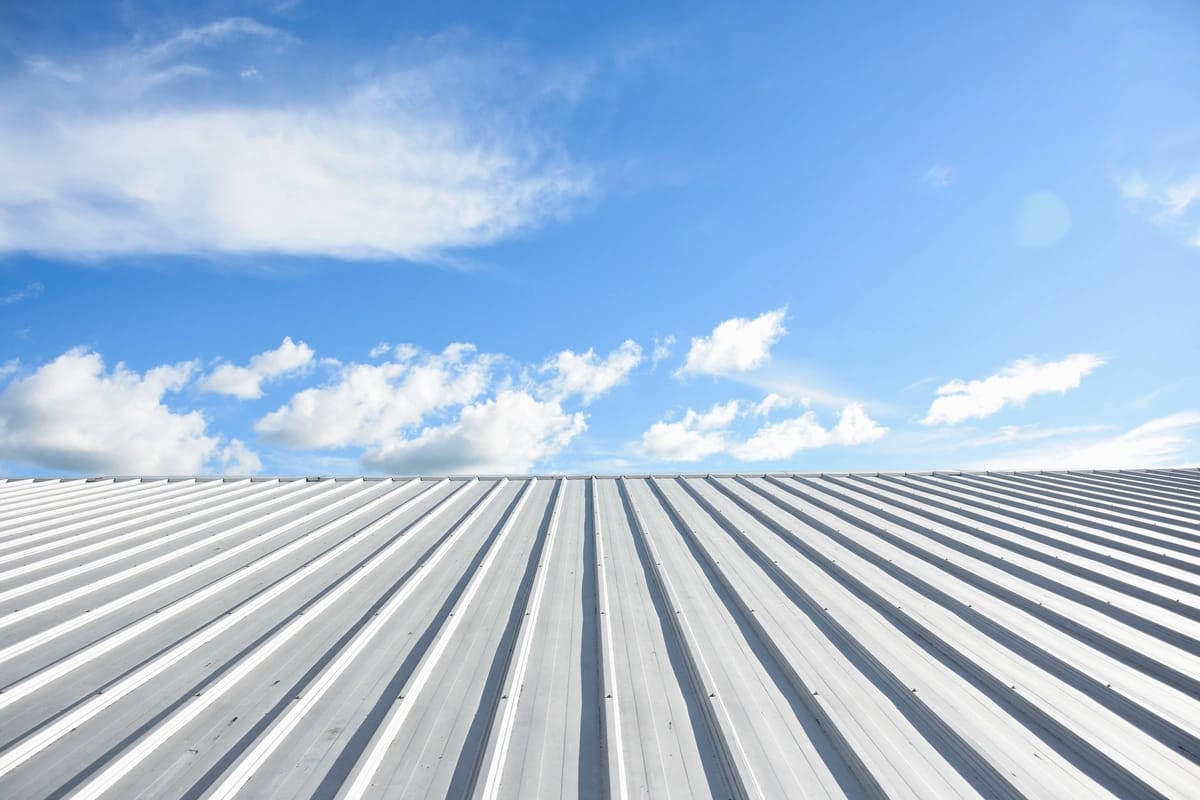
[767, 636]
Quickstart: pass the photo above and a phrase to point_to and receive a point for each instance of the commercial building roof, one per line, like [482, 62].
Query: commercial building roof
[767, 636]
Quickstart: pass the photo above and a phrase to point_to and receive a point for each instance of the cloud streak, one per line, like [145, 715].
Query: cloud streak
[32, 290]
[1171, 203]
[938, 176]
[1159, 442]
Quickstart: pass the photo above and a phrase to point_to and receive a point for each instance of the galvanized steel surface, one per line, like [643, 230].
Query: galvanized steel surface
[767, 636]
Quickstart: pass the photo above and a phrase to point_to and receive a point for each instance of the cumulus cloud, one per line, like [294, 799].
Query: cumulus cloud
[367, 404]
[587, 375]
[72, 414]
[777, 441]
[700, 435]
[246, 382]
[736, 345]
[508, 433]
[1161, 442]
[123, 160]
[693, 438]
[451, 412]
[960, 400]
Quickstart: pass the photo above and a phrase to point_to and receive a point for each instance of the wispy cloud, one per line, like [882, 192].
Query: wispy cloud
[43, 67]
[213, 34]
[662, 349]
[1150, 398]
[961, 400]
[398, 164]
[801, 384]
[32, 290]
[1172, 203]
[938, 176]
[964, 442]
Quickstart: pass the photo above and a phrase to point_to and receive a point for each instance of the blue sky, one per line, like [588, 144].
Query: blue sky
[288, 237]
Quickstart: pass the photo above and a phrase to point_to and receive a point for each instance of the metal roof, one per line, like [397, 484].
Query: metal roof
[864, 635]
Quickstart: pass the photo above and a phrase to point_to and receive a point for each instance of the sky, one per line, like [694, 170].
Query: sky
[327, 238]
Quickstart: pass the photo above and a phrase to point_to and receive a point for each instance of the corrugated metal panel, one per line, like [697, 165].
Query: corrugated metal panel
[899, 635]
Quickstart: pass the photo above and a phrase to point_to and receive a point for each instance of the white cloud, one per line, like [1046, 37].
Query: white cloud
[246, 382]
[453, 412]
[398, 164]
[71, 414]
[1164, 441]
[938, 176]
[380, 349]
[371, 403]
[736, 345]
[587, 376]
[960, 400]
[506, 434]
[777, 441]
[697, 436]
[700, 435]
